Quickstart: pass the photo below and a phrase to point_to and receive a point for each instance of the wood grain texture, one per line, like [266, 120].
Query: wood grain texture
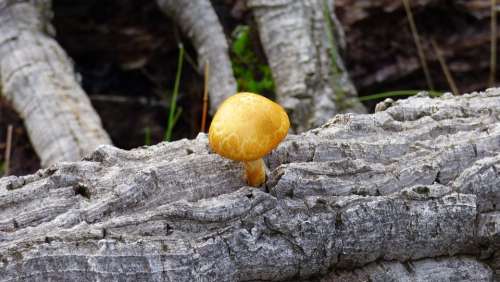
[38, 78]
[405, 194]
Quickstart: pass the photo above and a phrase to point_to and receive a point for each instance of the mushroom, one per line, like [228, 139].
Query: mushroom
[246, 127]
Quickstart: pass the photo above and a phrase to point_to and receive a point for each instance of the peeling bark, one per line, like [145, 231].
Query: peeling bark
[198, 21]
[38, 78]
[406, 193]
[295, 39]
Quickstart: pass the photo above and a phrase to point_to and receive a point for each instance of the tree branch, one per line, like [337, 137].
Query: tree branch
[198, 21]
[38, 78]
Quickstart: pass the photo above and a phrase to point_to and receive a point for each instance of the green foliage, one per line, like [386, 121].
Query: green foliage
[175, 113]
[251, 75]
[147, 136]
[398, 93]
[2, 168]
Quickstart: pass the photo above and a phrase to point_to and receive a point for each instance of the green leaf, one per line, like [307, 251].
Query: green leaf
[241, 40]
[251, 75]
[147, 136]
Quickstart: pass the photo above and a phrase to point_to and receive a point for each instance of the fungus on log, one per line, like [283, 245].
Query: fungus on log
[411, 192]
[38, 78]
[246, 128]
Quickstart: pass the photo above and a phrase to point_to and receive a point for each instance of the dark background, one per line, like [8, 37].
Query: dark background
[126, 53]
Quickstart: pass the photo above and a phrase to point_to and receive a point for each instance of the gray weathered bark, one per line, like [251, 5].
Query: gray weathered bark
[295, 40]
[38, 78]
[445, 269]
[411, 193]
[198, 21]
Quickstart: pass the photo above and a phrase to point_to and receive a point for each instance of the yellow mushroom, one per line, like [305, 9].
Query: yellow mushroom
[246, 127]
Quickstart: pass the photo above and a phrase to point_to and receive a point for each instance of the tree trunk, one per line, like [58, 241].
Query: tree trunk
[38, 78]
[295, 38]
[411, 192]
[198, 21]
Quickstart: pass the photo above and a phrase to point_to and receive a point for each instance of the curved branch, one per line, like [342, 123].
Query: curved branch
[38, 78]
[198, 21]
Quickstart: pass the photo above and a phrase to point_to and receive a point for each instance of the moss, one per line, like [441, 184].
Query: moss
[251, 74]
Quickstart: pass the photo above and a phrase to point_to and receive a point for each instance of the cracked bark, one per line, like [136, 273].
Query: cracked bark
[198, 21]
[408, 193]
[295, 39]
[37, 77]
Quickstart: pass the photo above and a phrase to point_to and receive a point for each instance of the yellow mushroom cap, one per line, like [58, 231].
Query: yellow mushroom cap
[247, 127]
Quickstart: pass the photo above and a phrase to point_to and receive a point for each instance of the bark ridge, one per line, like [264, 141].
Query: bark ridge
[408, 193]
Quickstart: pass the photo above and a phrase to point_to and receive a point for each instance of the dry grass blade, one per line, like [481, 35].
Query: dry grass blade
[493, 56]
[446, 71]
[8, 150]
[416, 38]
[205, 98]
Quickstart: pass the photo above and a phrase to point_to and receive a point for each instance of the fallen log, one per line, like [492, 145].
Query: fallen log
[410, 192]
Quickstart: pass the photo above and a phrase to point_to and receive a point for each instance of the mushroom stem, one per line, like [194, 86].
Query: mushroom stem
[255, 172]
